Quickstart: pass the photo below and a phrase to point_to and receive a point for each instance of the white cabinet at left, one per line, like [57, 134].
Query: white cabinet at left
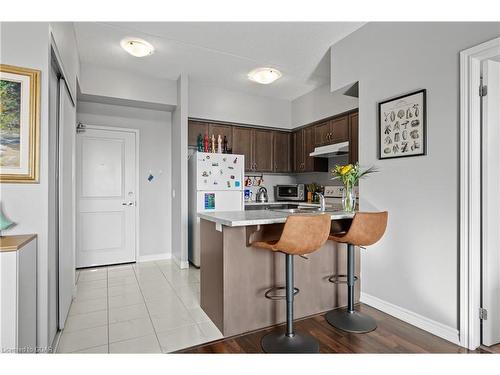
[18, 293]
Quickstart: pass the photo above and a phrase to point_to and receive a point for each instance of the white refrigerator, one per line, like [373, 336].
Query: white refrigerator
[215, 184]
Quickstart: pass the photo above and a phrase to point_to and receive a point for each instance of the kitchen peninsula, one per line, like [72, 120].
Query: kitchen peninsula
[236, 275]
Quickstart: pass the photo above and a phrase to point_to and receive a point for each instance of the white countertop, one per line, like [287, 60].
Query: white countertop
[260, 217]
[305, 204]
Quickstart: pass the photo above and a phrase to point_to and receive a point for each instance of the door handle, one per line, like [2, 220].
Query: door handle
[127, 203]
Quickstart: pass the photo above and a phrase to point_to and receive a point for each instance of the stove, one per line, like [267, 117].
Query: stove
[333, 196]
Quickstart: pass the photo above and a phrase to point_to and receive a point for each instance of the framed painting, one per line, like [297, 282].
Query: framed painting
[402, 126]
[19, 124]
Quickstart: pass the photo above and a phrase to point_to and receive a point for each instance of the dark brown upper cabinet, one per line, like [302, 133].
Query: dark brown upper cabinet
[223, 130]
[332, 131]
[339, 129]
[282, 152]
[194, 129]
[353, 138]
[263, 160]
[242, 144]
[298, 151]
[303, 145]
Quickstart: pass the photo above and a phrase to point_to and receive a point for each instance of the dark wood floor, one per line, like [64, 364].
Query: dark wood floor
[391, 336]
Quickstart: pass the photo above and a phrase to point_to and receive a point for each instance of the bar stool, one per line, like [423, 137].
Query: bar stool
[366, 229]
[302, 234]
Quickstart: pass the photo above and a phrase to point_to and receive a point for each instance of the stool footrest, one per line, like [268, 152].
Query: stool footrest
[335, 279]
[275, 297]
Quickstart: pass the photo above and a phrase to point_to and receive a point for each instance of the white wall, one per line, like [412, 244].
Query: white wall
[102, 83]
[215, 103]
[415, 266]
[155, 201]
[320, 103]
[180, 175]
[27, 45]
[65, 39]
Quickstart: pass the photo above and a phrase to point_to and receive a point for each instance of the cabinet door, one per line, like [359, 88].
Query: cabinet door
[195, 128]
[322, 134]
[242, 144]
[339, 129]
[263, 150]
[298, 151]
[308, 148]
[353, 138]
[282, 154]
[223, 130]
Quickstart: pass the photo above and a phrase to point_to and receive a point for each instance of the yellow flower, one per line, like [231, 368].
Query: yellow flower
[345, 169]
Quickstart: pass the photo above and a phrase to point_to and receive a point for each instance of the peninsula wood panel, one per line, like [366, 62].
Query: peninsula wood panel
[249, 271]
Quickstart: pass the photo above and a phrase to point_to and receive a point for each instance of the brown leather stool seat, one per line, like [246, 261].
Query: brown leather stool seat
[302, 234]
[366, 229]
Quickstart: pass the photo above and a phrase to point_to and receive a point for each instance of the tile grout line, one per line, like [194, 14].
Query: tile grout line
[147, 309]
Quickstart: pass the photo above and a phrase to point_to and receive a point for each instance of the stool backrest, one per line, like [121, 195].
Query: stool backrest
[366, 228]
[304, 234]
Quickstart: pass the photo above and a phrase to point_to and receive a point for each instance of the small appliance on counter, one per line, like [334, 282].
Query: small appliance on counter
[262, 195]
[295, 192]
[215, 184]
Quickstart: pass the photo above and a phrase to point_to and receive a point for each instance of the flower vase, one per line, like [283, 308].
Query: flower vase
[348, 199]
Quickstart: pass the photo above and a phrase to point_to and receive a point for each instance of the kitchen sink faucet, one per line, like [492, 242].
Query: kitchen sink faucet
[321, 201]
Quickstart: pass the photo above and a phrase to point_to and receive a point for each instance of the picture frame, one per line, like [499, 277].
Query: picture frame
[19, 124]
[402, 126]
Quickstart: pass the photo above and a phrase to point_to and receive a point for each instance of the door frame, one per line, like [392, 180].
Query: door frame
[470, 191]
[137, 194]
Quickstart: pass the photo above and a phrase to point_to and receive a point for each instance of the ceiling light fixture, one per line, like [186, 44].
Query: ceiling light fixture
[137, 47]
[264, 76]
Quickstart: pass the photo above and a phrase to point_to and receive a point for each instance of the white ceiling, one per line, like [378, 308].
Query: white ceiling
[221, 53]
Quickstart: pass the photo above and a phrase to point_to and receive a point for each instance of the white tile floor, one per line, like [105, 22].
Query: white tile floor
[150, 307]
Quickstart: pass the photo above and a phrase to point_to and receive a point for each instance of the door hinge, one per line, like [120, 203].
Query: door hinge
[483, 90]
[483, 314]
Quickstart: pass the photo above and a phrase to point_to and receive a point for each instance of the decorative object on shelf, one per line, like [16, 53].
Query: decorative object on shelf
[411, 116]
[5, 223]
[224, 148]
[199, 143]
[219, 144]
[205, 143]
[212, 148]
[19, 124]
[349, 175]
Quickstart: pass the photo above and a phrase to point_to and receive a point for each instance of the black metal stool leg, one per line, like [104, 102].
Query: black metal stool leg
[291, 341]
[347, 319]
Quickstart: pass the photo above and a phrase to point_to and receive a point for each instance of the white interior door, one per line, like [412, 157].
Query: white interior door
[491, 203]
[106, 197]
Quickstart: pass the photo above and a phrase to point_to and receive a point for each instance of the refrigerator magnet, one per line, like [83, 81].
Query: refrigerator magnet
[236, 183]
[228, 184]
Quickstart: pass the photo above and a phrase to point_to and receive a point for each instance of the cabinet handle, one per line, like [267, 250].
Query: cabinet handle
[328, 137]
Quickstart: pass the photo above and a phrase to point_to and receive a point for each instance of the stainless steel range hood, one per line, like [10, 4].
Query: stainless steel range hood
[329, 151]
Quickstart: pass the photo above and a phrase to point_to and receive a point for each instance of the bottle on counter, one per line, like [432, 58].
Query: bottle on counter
[224, 148]
[205, 143]
[199, 143]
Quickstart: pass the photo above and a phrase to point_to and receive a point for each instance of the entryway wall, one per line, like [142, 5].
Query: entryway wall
[155, 157]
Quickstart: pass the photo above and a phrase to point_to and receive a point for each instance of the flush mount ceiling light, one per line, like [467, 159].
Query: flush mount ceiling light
[137, 47]
[264, 76]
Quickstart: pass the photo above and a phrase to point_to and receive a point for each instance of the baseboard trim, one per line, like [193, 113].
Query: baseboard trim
[153, 257]
[441, 330]
[181, 263]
